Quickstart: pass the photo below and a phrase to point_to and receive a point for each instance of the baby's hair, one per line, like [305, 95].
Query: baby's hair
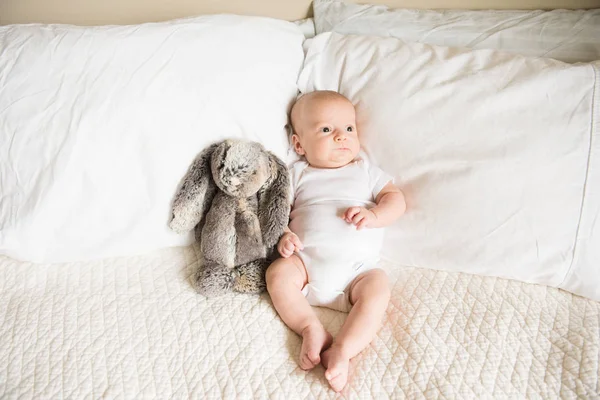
[324, 94]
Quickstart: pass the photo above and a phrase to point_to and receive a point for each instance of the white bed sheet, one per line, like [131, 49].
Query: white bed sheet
[134, 328]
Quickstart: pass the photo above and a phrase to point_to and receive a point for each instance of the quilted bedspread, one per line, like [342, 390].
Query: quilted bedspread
[134, 328]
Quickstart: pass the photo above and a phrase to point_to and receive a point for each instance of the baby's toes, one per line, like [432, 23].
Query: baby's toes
[337, 368]
[314, 339]
[338, 382]
[307, 361]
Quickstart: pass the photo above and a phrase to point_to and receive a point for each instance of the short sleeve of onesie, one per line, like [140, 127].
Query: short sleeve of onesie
[377, 178]
[292, 187]
[295, 171]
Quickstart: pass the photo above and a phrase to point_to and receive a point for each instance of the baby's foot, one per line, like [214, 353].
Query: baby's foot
[314, 339]
[337, 365]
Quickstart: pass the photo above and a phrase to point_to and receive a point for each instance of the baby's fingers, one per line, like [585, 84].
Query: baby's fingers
[283, 252]
[362, 224]
[357, 218]
[287, 250]
[296, 242]
[289, 247]
[351, 213]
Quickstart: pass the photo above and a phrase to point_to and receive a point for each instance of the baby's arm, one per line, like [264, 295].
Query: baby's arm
[390, 206]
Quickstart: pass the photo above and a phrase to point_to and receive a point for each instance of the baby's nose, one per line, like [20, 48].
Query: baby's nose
[340, 138]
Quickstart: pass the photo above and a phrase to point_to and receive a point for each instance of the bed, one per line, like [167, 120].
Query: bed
[133, 326]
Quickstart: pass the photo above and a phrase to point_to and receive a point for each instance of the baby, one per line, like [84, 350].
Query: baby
[330, 250]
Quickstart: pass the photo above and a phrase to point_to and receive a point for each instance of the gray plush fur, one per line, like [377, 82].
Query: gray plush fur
[236, 196]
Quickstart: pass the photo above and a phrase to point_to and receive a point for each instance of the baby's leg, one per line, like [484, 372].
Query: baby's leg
[285, 279]
[369, 294]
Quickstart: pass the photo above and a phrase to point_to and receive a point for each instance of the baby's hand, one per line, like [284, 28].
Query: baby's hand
[359, 216]
[288, 244]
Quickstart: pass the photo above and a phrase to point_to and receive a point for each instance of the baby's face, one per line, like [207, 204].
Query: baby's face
[326, 132]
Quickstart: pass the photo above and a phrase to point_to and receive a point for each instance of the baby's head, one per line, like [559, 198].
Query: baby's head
[324, 125]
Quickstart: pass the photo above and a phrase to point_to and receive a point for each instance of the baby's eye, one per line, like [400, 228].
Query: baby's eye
[349, 129]
[325, 129]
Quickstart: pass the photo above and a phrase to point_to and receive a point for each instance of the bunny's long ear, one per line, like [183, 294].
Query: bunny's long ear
[274, 203]
[196, 193]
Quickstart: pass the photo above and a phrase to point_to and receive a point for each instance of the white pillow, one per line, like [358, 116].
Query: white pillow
[498, 154]
[98, 125]
[307, 26]
[567, 35]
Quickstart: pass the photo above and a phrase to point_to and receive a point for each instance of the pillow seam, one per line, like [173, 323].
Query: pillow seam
[592, 134]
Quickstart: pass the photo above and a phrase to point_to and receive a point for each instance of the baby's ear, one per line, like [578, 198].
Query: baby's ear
[297, 145]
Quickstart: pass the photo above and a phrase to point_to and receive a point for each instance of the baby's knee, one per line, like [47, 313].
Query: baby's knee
[282, 273]
[381, 280]
[373, 288]
[382, 285]
[273, 273]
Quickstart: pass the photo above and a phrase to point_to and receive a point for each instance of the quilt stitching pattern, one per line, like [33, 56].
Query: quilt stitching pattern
[134, 328]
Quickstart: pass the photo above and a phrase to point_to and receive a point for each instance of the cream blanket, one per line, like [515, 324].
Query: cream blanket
[134, 328]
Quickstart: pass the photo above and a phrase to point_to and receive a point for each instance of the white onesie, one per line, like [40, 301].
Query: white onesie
[335, 252]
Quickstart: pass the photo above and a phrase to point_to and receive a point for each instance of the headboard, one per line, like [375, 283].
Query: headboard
[98, 12]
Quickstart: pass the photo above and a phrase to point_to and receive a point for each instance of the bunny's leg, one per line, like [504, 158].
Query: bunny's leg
[250, 277]
[218, 241]
[249, 246]
[216, 275]
[213, 279]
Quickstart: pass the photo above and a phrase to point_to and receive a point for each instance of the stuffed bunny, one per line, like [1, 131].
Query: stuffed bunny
[236, 196]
